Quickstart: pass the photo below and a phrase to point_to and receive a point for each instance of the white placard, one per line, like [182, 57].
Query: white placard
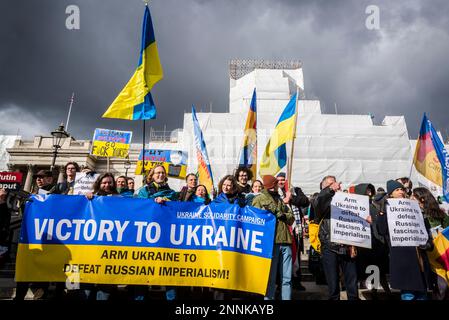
[84, 182]
[348, 220]
[406, 223]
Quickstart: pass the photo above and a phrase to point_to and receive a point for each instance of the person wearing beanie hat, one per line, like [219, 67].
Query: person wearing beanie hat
[269, 181]
[408, 265]
[397, 187]
[44, 182]
[270, 200]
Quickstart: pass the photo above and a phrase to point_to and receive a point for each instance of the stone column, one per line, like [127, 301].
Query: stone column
[61, 174]
[29, 178]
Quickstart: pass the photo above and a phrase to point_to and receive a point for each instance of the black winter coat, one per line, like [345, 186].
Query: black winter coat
[322, 210]
[405, 270]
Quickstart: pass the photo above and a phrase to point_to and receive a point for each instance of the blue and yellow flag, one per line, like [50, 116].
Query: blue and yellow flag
[431, 158]
[439, 256]
[135, 102]
[248, 155]
[204, 170]
[274, 157]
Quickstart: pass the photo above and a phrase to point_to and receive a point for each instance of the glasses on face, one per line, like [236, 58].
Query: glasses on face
[41, 178]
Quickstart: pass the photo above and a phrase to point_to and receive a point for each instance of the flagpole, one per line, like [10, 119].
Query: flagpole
[290, 158]
[70, 110]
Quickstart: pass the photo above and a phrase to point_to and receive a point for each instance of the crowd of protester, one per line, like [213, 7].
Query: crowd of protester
[403, 268]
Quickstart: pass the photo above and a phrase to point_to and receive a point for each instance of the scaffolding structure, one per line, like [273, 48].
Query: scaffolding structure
[241, 67]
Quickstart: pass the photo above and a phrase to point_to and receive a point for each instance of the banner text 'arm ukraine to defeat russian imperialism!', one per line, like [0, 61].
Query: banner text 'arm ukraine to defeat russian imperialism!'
[119, 240]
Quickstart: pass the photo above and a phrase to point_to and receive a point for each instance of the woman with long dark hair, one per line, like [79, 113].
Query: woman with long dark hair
[430, 208]
[438, 220]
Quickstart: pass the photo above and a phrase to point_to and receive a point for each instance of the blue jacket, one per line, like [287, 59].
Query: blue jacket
[231, 198]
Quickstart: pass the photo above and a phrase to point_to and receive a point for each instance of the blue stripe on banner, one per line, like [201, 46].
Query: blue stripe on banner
[120, 221]
[146, 110]
[289, 110]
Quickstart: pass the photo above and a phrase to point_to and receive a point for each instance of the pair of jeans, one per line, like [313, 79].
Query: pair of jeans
[413, 295]
[331, 265]
[282, 261]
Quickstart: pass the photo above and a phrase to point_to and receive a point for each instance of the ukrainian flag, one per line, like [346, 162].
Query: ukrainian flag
[204, 170]
[274, 157]
[248, 154]
[135, 102]
[431, 158]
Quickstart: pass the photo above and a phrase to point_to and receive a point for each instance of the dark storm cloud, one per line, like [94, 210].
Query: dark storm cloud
[400, 69]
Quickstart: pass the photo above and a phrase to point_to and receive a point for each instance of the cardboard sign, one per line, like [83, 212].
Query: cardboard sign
[174, 162]
[84, 182]
[111, 143]
[348, 220]
[406, 223]
[10, 180]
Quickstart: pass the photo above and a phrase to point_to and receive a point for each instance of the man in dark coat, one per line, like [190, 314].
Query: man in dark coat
[334, 255]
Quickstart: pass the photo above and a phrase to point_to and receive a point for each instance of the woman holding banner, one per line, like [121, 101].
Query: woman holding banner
[201, 195]
[105, 185]
[409, 267]
[228, 192]
[156, 188]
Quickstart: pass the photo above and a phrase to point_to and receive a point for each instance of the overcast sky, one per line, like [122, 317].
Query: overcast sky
[400, 69]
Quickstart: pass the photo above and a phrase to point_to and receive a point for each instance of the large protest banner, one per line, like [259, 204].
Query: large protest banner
[348, 220]
[111, 143]
[174, 161]
[406, 223]
[10, 180]
[118, 240]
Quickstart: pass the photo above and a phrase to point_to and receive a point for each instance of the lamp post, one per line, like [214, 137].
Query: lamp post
[127, 165]
[58, 135]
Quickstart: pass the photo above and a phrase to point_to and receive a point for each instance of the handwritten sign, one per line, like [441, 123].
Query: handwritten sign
[111, 143]
[84, 182]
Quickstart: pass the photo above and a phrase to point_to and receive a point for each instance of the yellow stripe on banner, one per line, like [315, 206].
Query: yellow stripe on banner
[133, 265]
[110, 149]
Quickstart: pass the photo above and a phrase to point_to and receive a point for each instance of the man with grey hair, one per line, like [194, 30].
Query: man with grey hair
[334, 255]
